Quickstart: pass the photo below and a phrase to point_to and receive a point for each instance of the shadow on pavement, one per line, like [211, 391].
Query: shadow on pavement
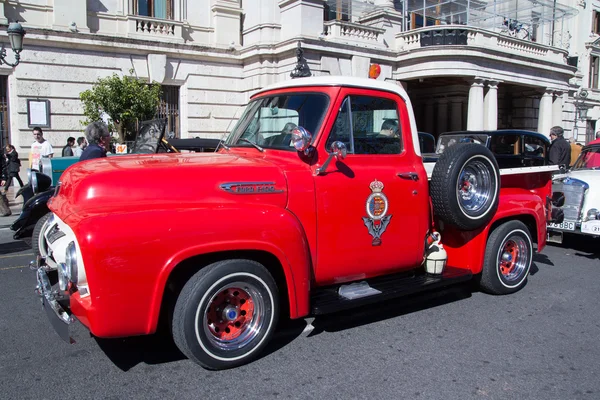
[387, 310]
[542, 259]
[13, 247]
[583, 245]
[160, 348]
[152, 349]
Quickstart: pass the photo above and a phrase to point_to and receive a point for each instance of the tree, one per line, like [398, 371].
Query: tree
[124, 99]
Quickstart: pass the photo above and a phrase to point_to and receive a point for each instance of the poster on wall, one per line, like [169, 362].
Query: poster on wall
[38, 113]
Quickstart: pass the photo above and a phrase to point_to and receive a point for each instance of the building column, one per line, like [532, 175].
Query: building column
[456, 114]
[429, 117]
[557, 108]
[545, 113]
[475, 116]
[442, 115]
[490, 107]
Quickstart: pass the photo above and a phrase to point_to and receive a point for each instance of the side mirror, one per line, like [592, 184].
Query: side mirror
[338, 150]
[558, 199]
[301, 138]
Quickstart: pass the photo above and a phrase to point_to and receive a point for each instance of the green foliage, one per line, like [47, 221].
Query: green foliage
[125, 99]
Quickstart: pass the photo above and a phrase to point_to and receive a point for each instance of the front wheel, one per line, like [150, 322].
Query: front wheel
[38, 244]
[226, 313]
[508, 258]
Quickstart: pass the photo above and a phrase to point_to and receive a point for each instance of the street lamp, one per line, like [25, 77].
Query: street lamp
[15, 36]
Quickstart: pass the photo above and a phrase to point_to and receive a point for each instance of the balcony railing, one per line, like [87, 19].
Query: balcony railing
[459, 35]
[348, 32]
[154, 29]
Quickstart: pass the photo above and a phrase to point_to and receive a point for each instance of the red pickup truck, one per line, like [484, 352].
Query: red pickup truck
[317, 201]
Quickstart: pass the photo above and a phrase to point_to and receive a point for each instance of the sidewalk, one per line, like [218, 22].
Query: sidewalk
[15, 206]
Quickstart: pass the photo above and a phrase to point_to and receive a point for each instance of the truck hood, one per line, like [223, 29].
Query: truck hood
[142, 182]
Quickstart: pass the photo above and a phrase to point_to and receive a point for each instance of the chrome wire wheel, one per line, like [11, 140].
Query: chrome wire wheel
[235, 316]
[475, 188]
[513, 259]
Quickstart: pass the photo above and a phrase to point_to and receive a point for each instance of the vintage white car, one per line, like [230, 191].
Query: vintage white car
[581, 189]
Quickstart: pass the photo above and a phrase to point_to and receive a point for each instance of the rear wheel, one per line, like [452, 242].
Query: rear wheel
[226, 313]
[508, 258]
[37, 243]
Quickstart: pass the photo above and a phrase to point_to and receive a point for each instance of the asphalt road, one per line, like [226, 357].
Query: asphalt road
[540, 343]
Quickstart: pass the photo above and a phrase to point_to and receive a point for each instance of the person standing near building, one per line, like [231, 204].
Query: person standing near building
[4, 206]
[67, 151]
[560, 150]
[13, 165]
[81, 145]
[575, 150]
[98, 138]
[597, 140]
[40, 148]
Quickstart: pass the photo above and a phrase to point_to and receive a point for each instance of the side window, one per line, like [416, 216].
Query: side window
[506, 144]
[368, 125]
[534, 147]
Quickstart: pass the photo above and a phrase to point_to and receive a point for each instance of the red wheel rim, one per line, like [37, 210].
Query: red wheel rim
[230, 313]
[510, 258]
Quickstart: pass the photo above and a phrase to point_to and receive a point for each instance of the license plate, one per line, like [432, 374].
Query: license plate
[592, 227]
[565, 226]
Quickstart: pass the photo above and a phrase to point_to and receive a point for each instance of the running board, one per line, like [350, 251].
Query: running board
[341, 297]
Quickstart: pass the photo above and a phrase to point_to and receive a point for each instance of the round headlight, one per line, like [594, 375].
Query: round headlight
[40, 182]
[33, 181]
[593, 214]
[71, 262]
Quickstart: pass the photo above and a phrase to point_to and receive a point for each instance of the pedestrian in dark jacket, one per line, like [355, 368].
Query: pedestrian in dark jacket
[98, 138]
[67, 151]
[560, 149]
[4, 206]
[13, 165]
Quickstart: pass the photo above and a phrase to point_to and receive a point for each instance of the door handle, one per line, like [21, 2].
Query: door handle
[409, 175]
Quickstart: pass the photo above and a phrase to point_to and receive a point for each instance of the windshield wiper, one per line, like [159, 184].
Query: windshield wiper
[253, 144]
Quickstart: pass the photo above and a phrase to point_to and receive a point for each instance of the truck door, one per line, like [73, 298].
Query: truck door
[372, 206]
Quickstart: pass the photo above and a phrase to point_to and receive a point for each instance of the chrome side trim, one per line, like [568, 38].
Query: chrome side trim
[250, 187]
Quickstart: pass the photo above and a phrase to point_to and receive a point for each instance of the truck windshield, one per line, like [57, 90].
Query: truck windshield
[589, 159]
[269, 121]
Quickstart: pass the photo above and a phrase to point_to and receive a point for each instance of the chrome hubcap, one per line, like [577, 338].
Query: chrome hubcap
[235, 316]
[513, 258]
[475, 187]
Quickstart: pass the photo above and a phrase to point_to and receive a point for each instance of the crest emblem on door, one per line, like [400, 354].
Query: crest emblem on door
[377, 208]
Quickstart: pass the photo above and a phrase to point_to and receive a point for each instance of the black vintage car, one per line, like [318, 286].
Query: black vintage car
[512, 148]
[40, 188]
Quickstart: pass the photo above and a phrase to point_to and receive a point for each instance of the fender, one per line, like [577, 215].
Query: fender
[33, 209]
[466, 249]
[190, 232]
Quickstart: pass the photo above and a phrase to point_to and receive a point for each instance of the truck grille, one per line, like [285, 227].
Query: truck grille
[574, 191]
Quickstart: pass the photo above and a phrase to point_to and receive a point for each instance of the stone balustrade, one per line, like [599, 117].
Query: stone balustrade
[431, 36]
[356, 34]
[149, 28]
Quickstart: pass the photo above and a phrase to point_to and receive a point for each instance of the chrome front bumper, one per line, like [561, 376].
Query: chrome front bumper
[54, 302]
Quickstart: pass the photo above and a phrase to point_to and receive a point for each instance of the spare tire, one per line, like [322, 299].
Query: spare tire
[465, 186]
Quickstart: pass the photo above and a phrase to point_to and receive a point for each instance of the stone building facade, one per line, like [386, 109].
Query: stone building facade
[463, 69]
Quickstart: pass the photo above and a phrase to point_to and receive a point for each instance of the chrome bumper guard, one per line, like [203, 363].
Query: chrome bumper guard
[53, 302]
